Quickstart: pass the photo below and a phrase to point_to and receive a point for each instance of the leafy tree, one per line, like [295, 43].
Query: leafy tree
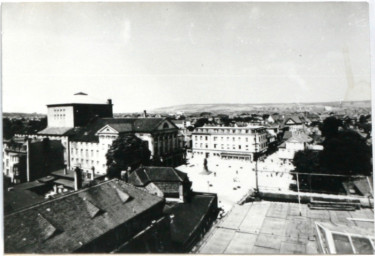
[347, 153]
[7, 129]
[126, 151]
[306, 161]
[200, 122]
[330, 127]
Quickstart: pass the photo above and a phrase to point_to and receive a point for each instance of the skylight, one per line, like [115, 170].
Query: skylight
[344, 242]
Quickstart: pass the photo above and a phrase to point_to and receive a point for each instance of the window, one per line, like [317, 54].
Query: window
[215, 145]
[206, 138]
[342, 244]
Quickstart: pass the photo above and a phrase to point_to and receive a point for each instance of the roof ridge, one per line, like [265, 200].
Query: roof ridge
[60, 197]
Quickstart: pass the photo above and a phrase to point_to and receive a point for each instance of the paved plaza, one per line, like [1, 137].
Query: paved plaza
[232, 179]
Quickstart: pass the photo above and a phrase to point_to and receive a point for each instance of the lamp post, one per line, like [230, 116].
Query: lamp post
[256, 156]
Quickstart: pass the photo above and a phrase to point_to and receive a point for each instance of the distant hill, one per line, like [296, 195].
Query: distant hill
[264, 107]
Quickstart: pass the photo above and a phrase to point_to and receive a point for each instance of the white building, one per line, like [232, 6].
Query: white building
[298, 142]
[87, 130]
[229, 142]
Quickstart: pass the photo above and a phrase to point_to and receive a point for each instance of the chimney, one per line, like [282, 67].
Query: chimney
[144, 113]
[109, 102]
[124, 176]
[77, 179]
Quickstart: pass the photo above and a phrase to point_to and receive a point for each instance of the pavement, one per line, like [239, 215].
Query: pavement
[232, 180]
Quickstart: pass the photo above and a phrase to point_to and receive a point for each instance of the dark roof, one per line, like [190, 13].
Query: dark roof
[88, 133]
[15, 200]
[295, 119]
[144, 175]
[67, 223]
[188, 216]
[28, 185]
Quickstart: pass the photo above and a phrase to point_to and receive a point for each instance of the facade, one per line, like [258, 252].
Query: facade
[230, 142]
[107, 217]
[165, 182]
[298, 142]
[87, 130]
[294, 123]
[26, 159]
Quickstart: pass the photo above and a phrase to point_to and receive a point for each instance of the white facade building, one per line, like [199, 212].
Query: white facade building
[229, 142]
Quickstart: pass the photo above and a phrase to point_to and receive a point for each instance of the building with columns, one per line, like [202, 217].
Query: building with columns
[230, 142]
[86, 129]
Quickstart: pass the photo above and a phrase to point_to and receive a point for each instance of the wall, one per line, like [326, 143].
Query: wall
[60, 116]
[83, 113]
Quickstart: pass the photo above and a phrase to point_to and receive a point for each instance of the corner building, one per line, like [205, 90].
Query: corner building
[230, 142]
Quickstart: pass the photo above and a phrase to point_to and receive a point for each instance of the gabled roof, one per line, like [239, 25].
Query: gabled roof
[74, 220]
[144, 175]
[299, 138]
[294, 118]
[136, 125]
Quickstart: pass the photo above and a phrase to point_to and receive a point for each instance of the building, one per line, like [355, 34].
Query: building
[26, 159]
[87, 130]
[297, 142]
[166, 182]
[112, 216]
[294, 123]
[291, 228]
[230, 142]
[190, 221]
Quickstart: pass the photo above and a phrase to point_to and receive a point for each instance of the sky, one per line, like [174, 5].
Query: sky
[150, 55]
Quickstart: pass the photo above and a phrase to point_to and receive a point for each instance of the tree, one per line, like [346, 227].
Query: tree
[306, 161]
[330, 127]
[200, 122]
[347, 153]
[126, 151]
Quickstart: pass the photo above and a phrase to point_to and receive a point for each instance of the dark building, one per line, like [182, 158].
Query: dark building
[27, 159]
[165, 182]
[112, 216]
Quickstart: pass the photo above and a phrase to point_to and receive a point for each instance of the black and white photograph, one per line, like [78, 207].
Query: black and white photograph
[187, 127]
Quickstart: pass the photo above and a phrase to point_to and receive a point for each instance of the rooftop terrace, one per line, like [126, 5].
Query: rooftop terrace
[278, 228]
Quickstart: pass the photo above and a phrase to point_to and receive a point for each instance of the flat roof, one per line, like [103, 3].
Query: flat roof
[277, 228]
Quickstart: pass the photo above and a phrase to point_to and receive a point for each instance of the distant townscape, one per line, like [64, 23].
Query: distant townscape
[254, 179]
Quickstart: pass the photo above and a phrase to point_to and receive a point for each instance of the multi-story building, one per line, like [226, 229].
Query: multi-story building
[87, 130]
[230, 142]
[26, 159]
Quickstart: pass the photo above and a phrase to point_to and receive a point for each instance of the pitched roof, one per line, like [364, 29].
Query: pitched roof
[144, 175]
[72, 221]
[56, 131]
[294, 118]
[299, 138]
[88, 133]
[17, 199]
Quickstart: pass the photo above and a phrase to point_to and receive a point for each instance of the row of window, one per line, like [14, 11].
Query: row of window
[221, 138]
[222, 146]
[75, 151]
[59, 110]
[59, 116]
[227, 130]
